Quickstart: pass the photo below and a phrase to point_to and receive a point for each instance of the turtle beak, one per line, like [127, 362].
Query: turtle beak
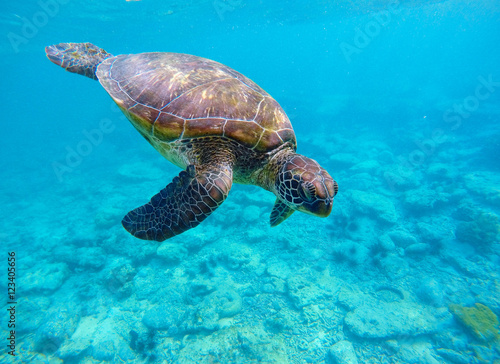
[324, 208]
[320, 208]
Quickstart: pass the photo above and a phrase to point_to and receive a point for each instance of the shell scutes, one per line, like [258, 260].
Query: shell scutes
[171, 96]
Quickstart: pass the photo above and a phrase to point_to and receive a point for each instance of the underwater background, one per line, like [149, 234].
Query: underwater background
[398, 100]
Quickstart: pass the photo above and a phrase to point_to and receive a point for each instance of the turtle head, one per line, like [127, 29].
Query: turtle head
[303, 185]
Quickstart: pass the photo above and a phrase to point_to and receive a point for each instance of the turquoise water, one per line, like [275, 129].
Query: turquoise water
[399, 101]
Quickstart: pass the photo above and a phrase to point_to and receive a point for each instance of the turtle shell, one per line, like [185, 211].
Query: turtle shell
[172, 96]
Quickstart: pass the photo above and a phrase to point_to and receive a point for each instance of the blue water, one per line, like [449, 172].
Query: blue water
[400, 102]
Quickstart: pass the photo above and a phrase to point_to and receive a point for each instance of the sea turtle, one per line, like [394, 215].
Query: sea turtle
[213, 122]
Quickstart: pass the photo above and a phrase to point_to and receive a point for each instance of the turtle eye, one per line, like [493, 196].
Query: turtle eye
[307, 191]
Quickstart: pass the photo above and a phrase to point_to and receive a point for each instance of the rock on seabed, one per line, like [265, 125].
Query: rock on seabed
[384, 320]
[342, 353]
[374, 204]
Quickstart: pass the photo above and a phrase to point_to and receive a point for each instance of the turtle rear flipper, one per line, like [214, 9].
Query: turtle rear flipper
[81, 58]
[188, 200]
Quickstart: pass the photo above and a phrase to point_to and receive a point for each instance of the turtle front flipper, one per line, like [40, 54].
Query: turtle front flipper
[81, 58]
[280, 213]
[182, 205]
